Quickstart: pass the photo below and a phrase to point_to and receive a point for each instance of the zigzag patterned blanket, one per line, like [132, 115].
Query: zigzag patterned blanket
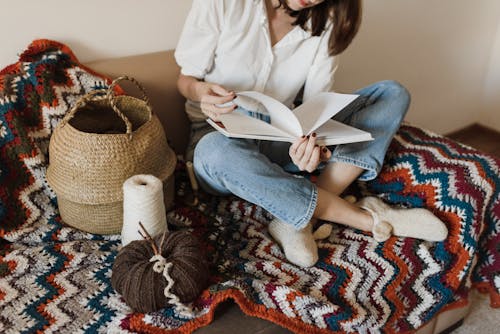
[56, 279]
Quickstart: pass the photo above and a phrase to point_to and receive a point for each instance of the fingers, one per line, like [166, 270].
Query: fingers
[297, 149]
[305, 153]
[217, 101]
[313, 162]
[213, 112]
[221, 91]
[325, 154]
[310, 147]
[218, 95]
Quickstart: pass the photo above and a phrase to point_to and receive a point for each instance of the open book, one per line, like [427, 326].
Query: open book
[269, 119]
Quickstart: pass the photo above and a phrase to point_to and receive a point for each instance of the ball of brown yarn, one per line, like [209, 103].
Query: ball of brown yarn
[143, 288]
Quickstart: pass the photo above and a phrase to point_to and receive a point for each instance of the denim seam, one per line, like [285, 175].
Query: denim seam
[301, 222]
[358, 163]
[310, 210]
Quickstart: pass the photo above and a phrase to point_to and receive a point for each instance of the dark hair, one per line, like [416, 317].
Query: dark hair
[345, 15]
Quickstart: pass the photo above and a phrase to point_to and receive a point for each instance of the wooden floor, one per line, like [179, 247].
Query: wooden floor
[479, 137]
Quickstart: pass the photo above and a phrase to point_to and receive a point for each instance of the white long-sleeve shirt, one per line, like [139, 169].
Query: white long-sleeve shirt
[228, 42]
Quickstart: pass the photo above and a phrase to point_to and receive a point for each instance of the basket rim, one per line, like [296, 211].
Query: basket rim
[60, 125]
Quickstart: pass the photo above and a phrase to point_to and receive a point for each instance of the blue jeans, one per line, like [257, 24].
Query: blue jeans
[261, 172]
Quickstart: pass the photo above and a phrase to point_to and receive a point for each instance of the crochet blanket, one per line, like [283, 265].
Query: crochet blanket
[54, 278]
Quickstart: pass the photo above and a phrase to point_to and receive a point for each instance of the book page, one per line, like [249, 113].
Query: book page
[281, 116]
[222, 129]
[320, 108]
[237, 123]
[335, 133]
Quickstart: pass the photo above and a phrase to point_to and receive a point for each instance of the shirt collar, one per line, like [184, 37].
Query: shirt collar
[297, 33]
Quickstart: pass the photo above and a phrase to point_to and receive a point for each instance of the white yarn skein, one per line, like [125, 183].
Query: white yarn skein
[143, 202]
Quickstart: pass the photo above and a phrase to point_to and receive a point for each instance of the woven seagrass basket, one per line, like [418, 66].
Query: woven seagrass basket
[102, 141]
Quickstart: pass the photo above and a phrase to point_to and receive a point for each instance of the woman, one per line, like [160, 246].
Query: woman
[279, 47]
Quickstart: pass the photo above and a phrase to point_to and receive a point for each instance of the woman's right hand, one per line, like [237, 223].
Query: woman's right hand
[306, 155]
[211, 96]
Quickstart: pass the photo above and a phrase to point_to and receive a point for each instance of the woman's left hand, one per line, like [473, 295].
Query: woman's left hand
[306, 155]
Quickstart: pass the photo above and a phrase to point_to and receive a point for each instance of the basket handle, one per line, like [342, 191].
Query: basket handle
[81, 102]
[108, 94]
[112, 97]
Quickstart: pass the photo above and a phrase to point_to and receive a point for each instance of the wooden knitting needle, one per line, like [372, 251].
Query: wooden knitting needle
[148, 237]
[194, 183]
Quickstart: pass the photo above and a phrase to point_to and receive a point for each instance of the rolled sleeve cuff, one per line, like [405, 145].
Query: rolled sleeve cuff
[193, 72]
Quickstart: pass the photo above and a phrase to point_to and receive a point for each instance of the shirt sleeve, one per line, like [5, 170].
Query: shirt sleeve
[195, 50]
[321, 73]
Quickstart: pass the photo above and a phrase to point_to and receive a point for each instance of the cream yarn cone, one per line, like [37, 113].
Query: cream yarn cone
[143, 202]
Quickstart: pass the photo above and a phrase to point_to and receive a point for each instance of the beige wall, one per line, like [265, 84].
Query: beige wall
[491, 112]
[447, 52]
[94, 29]
[441, 50]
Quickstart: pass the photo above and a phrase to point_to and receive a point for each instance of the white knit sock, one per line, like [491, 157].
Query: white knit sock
[416, 223]
[299, 246]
